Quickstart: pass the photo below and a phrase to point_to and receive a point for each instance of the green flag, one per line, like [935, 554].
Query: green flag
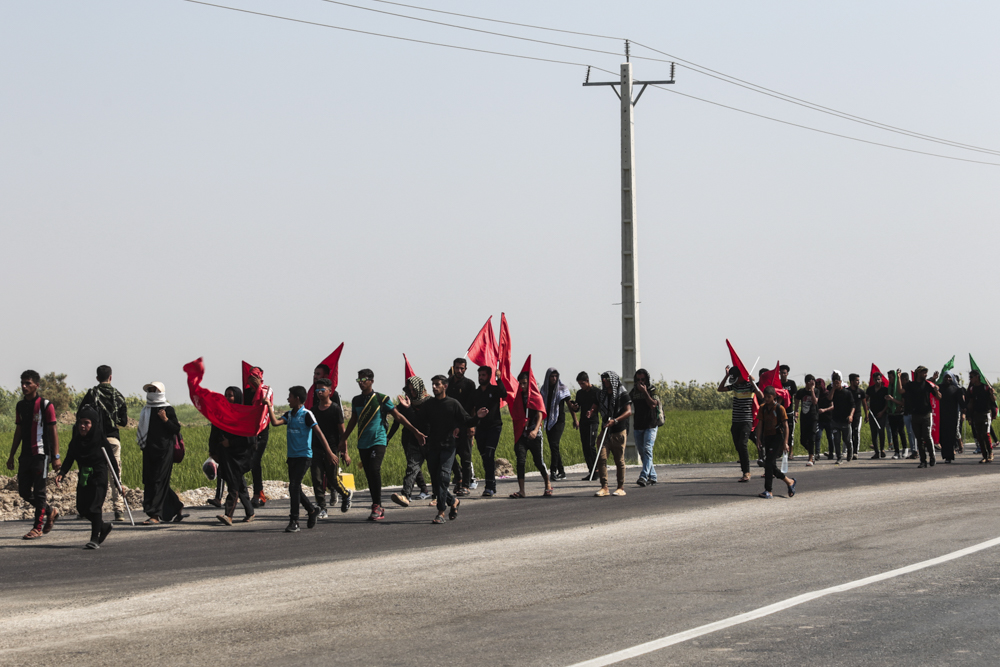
[948, 366]
[975, 367]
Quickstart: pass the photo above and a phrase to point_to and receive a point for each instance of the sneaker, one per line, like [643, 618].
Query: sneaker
[809, 463]
[424, 495]
[561, 475]
[640, 482]
[119, 515]
[839, 462]
[766, 495]
[587, 478]
[618, 492]
[881, 455]
[650, 482]
[214, 502]
[876, 456]
[292, 527]
[225, 520]
[895, 456]
[377, 513]
[475, 484]
[602, 493]
[91, 545]
[829, 456]
[923, 464]
[313, 516]
[345, 501]
[105, 531]
[322, 513]
[760, 463]
[489, 493]
[50, 519]
[400, 500]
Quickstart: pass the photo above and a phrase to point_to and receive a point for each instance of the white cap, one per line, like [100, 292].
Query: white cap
[154, 387]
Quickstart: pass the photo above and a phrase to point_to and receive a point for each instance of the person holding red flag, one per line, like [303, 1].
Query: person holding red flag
[615, 407]
[738, 381]
[877, 398]
[463, 390]
[527, 411]
[257, 393]
[488, 428]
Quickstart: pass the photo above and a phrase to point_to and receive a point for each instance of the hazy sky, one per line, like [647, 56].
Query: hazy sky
[181, 181]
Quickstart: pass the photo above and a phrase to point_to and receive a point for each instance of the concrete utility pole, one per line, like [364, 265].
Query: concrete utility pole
[630, 264]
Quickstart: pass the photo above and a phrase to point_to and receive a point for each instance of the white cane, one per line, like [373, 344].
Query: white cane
[118, 482]
[598, 457]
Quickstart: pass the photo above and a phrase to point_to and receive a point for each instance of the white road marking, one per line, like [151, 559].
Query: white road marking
[657, 644]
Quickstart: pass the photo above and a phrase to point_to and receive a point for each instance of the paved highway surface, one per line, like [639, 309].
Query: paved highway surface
[536, 581]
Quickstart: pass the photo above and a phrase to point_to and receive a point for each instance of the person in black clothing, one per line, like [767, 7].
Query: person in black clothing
[585, 402]
[953, 401]
[773, 434]
[854, 388]
[980, 407]
[441, 417]
[877, 400]
[743, 395]
[234, 455]
[88, 449]
[917, 400]
[216, 438]
[329, 415]
[413, 397]
[555, 395]
[806, 401]
[35, 432]
[530, 441]
[109, 403]
[615, 406]
[841, 416]
[488, 428]
[157, 431]
[823, 408]
[792, 389]
[463, 390]
[255, 393]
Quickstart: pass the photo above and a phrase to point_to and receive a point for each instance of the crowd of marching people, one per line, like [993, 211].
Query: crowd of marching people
[439, 428]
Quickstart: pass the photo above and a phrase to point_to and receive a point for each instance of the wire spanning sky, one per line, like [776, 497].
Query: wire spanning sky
[181, 180]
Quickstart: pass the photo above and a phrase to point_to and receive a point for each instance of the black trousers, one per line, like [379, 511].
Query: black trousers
[414, 475]
[856, 433]
[439, 464]
[554, 436]
[258, 455]
[32, 474]
[897, 432]
[297, 468]
[773, 449]
[741, 432]
[231, 476]
[521, 449]
[371, 461]
[878, 433]
[809, 437]
[463, 451]
[91, 490]
[486, 442]
[588, 440]
[158, 499]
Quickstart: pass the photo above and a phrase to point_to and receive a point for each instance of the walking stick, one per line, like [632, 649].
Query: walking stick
[118, 482]
[598, 457]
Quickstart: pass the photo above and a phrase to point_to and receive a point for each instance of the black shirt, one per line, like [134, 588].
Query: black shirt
[643, 416]
[877, 399]
[980, 400]
[917, 399]
[843, 404]
[859, 399]
[463, 390]
[101, 398]
[489, 396]
[792, 389]
[823, 403]
[440, 418]
[587, 400]
[624, 400]
[807, 406]
[328, 420]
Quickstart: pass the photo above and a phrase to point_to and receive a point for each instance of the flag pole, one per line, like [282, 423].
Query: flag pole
[118, 482]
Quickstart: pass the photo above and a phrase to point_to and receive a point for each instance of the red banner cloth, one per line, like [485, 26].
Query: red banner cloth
[737, 363]
[244, 420]
[333, 363]
[883, 382]
[772, 378]
[484, 349]
[407, 369]
[518, 415]
[503, 359]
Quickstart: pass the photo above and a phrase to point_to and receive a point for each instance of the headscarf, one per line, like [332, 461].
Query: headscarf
[417, 385]
[154, 401]
[609, 403]
[237, 394]
[553, 401]
[86, 447]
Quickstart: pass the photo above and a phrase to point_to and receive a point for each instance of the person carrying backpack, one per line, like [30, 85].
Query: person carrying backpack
[110, 406]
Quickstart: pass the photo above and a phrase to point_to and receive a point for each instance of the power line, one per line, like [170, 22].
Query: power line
[397, 37]
[834, 134]
[707, 71]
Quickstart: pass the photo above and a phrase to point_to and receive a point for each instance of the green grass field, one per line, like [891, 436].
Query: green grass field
[696, 436]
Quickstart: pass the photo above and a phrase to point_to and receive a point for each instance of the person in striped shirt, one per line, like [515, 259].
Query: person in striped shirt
[743, 395]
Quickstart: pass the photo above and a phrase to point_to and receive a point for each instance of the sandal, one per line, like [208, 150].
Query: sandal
[516, 494]
[548, 493]
[453, 514]
[744, 478]
[151, 521]
[438, 519]
[33, 534]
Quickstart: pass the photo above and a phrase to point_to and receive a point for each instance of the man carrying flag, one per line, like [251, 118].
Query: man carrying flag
[256, 393]
[527, 410]
[876, 396]
[917, 393]
[980, 408]
[738, 381]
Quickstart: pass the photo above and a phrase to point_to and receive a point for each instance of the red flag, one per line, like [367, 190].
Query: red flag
[407, 369]
[263, 391]
[503, 359]
[936, 422]
[737, 363]
[244, 420]
[883, 382]
[518, 415]
[483, 351]
[771, 378]
[333, 363]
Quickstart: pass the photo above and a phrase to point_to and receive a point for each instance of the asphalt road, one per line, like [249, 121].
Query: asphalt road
[536, 581]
